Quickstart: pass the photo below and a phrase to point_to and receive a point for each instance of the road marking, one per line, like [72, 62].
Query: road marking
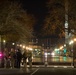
[35, 71]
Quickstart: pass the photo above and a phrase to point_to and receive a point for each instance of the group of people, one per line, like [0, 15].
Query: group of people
[14, 57]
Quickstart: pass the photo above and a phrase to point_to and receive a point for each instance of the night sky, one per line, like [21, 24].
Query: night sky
[38, 9]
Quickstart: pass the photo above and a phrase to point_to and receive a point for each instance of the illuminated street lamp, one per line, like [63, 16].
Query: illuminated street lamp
[71, 42]
[61, 47]
[74, 39]
[23, 46]
[4, 41]
[13, 43]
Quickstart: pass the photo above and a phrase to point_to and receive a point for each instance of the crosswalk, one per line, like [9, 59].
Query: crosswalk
[50, 66]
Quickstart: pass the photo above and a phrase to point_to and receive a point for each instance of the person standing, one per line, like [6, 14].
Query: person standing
[6, 55]
[29, 55]
[18, 58]
[24, 56]
[12, 57]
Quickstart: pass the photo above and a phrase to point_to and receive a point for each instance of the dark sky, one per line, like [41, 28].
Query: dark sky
[38, 9]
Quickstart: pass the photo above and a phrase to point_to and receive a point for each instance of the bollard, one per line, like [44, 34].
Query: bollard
[46, 63]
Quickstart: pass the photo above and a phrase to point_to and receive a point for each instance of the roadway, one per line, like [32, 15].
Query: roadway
[39, 70]
[9, 71]
[54, 71]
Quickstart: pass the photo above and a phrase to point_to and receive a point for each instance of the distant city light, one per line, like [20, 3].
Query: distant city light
[71, 42]
[56, 49]
[23, 46]
[29, 48]
[20, 45]
[13, 43]
[45, 54]
[74, 39]
[61, 47]
[53, 54]
[4, 41]
[64, 45]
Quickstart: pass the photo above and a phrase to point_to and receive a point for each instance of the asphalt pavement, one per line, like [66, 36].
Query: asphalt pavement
[54, 71]
[28, 71]
[9, 71]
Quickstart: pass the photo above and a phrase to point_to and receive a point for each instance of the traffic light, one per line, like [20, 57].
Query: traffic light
[64, 50]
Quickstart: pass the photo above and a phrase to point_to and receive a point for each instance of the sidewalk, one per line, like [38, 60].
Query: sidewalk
[50, 66]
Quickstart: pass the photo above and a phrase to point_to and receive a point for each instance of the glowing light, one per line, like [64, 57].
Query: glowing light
[13, 43]
[20, 45]
[4, 41]
[61, 47]
[71, 42]
[52, 53]
[29, 48]
[45, 54]
[0, 54]
[23, 46]
[56, 49]
[64, 45]
[74, 39]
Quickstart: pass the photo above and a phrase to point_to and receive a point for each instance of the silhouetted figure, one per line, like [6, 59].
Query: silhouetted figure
[18, 58]
[29, 56]
[24, 56]
[12, 57]
[6, 55]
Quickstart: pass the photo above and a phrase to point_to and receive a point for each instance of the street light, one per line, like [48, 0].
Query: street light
[74, 39]
[4, 43]
[71, 43]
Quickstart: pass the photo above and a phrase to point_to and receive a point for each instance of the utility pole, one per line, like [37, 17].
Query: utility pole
[66, 30]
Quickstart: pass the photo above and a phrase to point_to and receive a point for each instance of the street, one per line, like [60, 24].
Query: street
[60, 59]
[40, 71]
[56, 67]
[54, 71]
[54, 59]
[9, 71]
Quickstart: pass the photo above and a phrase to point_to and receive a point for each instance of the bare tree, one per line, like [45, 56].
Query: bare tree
[15, 23]
[55, 19]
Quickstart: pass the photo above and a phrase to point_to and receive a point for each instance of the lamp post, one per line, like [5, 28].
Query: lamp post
[71, 44]
[4, 43]
[74, 52]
